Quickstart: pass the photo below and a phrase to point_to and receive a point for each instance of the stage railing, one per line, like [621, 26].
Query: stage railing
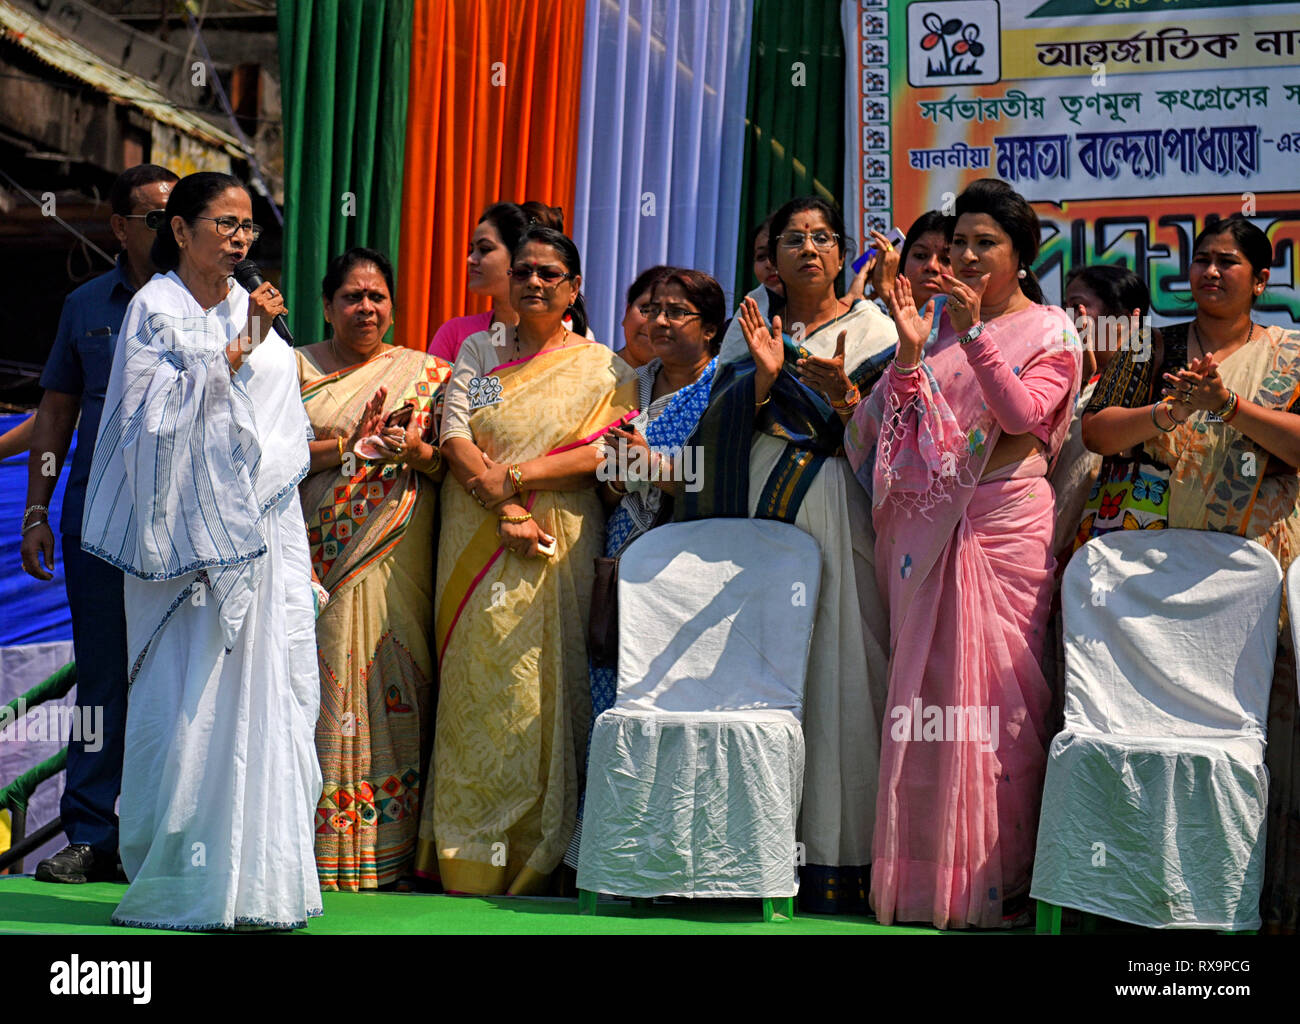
[16, 795]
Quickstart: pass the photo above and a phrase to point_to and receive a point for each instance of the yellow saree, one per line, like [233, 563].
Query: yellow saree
[510, 632]
[371, 542]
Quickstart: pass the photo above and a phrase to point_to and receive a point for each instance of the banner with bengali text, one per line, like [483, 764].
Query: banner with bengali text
[1129, 124]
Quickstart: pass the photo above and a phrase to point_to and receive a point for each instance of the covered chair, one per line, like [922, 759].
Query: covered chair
[1156, 792]
[696, 773]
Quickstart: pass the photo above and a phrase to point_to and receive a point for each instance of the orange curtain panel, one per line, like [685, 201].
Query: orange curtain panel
[492, 115]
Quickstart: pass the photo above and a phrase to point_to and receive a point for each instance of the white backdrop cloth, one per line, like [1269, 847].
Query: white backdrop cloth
[661, 145]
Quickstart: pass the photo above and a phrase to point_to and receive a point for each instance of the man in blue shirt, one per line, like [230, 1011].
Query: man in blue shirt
[75, 377]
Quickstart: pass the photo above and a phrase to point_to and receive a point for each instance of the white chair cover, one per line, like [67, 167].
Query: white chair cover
[696, 774]
[1156, 792]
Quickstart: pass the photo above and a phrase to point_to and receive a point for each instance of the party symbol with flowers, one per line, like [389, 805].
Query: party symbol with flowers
[954, 41]
[484, 391]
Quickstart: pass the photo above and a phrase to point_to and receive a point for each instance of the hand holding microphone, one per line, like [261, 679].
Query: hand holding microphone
[266, 309]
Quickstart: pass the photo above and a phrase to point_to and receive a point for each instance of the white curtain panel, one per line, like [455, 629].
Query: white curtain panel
[661, 145]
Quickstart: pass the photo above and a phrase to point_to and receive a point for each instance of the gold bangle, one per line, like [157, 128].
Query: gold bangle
[339, 439]
[517, 478]
[516, 520]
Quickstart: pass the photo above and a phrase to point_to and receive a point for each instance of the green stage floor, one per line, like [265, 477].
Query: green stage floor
[28, 907]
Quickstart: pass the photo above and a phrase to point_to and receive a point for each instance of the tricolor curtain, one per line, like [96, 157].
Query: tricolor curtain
[794, 139]
[666, 129]
[493, 115]
[344, 67]
[660, 144]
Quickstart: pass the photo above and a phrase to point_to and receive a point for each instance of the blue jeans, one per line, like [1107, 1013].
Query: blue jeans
[94, 777]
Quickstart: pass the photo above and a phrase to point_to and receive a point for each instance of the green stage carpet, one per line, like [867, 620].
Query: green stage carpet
[31, 907]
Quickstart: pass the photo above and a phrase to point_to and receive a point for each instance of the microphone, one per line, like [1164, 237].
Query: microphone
[249, 276]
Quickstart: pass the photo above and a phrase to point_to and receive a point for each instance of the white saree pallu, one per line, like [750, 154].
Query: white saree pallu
[193, 495]
[848, 668]
[1156, 791]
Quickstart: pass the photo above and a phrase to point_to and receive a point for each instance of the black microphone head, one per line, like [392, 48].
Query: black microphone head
[248, 274]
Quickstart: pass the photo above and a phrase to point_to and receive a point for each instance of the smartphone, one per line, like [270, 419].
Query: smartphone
[400, 417]
[894, 235]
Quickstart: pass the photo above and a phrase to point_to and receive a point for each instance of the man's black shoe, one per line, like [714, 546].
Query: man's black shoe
[75, 864]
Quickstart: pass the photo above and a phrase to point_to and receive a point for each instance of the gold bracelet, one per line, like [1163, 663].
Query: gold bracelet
[516, 520]
[517, 478]
[339, 439]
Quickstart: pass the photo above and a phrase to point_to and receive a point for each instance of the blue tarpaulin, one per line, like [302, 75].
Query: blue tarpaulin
[31, 611]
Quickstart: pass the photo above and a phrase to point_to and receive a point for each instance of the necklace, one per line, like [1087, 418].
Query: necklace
[1195, 335]
[546, 344]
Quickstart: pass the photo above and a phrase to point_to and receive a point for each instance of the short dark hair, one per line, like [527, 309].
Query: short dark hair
[803, 204]
[191, 196]
[1254, 244]
[1119, 290]
[930, 221]
[120, 195]
[706, 294]
[563, 245]
[340, 266]
[1015, 216]
[646, 280]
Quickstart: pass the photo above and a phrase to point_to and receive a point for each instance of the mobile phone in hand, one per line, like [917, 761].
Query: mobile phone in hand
[401, 416]
[895, 235]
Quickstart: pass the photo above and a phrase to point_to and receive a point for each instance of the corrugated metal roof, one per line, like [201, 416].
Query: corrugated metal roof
[74, 59]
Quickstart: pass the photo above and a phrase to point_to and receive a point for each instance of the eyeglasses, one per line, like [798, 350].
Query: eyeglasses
[153, 220]
[551, 275]
[823, 240]
[227, 226]
[673, 314]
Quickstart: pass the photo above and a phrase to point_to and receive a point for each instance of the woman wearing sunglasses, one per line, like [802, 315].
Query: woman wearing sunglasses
[792, 381]
[521, 527]
[495, 236]
[193, 493]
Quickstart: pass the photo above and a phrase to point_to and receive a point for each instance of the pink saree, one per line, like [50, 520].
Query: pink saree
[967, 566]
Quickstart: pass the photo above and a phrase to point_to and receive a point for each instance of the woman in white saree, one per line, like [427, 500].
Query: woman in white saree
[193, 494]
[771, 441]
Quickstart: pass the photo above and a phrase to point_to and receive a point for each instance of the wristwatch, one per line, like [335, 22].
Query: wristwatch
[975, 331]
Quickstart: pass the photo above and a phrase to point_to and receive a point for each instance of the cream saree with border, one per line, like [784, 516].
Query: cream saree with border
[510, 632]
[371, 540]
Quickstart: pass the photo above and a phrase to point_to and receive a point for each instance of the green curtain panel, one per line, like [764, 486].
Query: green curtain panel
[344, 80]
[794, 116]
